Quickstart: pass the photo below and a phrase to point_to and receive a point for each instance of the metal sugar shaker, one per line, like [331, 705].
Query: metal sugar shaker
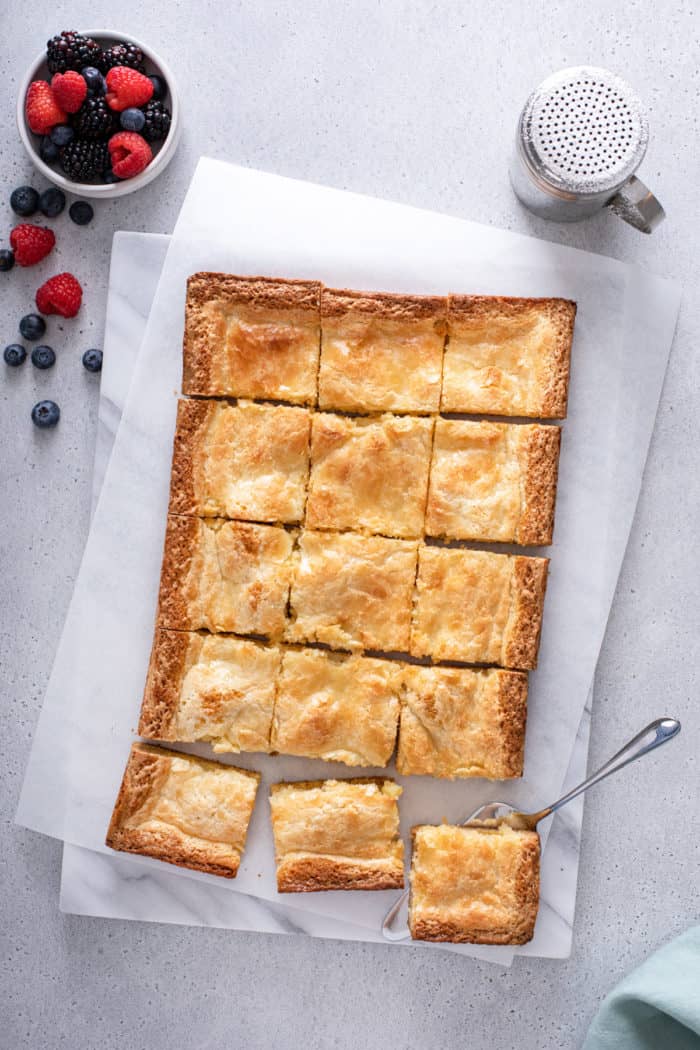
[580, 139]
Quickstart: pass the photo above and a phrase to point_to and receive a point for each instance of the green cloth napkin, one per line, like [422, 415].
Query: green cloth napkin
[657, 1007]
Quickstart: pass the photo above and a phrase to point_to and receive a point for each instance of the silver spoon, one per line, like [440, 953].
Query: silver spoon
[395, 925]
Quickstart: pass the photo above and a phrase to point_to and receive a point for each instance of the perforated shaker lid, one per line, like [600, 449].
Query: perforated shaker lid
[583, 131]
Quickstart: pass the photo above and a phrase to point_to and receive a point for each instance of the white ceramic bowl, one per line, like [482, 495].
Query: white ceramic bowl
[162, 151]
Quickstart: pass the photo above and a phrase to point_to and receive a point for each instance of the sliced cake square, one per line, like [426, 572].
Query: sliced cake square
[462, 723]
[225, 576]
[337, 835]
[369, 475]
[210, 687]
[240, 461]
[336, 707]
[474, 885]
[493, 482]
[183, 810]
[251, 337]
[381, 352]
[508, 357]
[478, 607]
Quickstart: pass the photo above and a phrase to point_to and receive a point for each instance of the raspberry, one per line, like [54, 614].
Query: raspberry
[123, 55]
[71, 50]
[69, 90]
[126, 88]
[31, 244]
[60, 295]
[130, 154]
[42, 109]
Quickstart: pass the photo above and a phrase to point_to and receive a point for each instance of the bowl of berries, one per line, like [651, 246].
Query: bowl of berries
[98, 113]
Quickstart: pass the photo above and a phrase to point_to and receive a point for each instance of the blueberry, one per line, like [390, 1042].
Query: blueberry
[24, 200]
[15, 355]
[7, 259]
[48, 150]
[32, 327]
[62, 134]
[45, 414]
[132, 119]
[52, 202]
[94, 80]
[159, 88]
[109, 176]
[81, 213]
[92, 360]
[43, 357]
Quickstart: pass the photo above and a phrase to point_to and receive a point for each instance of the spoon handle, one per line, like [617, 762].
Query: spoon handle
[655, 734]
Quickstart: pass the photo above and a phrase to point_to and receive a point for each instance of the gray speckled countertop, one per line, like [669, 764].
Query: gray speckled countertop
[414, 102]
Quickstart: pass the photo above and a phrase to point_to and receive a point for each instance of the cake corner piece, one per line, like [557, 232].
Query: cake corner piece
[235, 325]
[495, 342]
[158, 811]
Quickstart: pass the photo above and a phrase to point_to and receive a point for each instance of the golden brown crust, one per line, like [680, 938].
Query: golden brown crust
[391, 305]
[190, 434]
[276, 361]
[521, 636]
[168, 848]
[478, 887]
[166, 668]
[547, 396]
[512, 702]
[178, 550]
[540, 468]
[311, 874]
[268, 292]
[145, 779]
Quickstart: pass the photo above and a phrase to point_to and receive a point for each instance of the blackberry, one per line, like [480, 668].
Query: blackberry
[71, 50]
[94, 119]
[123, 55]
[157, 123]
[84, 160]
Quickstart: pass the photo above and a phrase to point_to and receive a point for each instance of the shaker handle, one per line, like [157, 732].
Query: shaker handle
[636, 204]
